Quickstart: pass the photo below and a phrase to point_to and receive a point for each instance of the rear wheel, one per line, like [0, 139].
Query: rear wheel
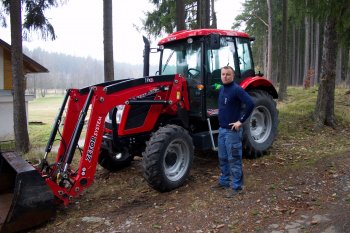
[260, 129]
[115, 160]
[168, 158]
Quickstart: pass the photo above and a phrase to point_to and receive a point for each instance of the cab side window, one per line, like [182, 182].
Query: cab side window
[244, 58]
[218, 58]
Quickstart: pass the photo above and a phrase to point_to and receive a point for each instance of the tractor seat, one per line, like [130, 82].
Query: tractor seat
[215, 77]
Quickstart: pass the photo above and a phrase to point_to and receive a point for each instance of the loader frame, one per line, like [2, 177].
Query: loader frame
[66, 183]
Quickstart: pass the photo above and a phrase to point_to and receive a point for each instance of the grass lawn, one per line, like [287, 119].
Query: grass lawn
[42, 113]
[44, 109]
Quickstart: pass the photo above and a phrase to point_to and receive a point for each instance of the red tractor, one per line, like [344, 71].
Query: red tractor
[164, 118]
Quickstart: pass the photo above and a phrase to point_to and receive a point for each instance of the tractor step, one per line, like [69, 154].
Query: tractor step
[25, 199]
[206, 140]
[212, 138]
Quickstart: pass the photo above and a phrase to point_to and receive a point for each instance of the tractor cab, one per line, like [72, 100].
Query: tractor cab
[198, 55]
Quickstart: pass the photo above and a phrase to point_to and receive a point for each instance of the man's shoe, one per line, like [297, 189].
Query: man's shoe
[219, 186]
[233, 193]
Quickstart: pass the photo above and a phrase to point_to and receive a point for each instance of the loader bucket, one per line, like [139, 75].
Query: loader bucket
[25, 199]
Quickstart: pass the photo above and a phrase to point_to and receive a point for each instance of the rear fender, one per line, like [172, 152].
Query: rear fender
[258, 82]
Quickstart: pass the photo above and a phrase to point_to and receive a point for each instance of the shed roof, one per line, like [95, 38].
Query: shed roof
[30, 65]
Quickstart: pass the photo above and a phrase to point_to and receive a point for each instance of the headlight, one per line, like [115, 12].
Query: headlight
[118, 118]
[119, 113]
[108, 119]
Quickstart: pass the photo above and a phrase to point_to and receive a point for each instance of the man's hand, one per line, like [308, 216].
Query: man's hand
[236, 125]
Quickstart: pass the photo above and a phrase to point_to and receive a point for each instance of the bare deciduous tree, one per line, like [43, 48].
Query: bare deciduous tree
[269, 41]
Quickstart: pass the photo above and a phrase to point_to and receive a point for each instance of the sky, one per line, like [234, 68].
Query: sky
[79, 28]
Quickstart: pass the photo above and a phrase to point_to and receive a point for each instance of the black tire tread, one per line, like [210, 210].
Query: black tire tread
[152, 157]
[249, 149]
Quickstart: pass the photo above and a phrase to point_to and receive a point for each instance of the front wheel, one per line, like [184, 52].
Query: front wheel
[260, 129]
[168, 158]
[115, 160]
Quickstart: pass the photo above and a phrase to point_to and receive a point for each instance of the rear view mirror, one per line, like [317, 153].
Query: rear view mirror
[214, 41]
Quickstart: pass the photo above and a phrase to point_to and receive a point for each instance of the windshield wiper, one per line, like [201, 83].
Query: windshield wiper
[167, 61]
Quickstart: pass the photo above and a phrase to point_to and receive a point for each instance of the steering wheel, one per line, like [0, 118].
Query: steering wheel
[192, 73]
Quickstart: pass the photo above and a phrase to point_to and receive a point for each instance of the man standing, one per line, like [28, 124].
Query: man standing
[231, 117]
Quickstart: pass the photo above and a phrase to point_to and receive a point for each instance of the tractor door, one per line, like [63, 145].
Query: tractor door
[217, 58]
[237, 55]
[184, 57]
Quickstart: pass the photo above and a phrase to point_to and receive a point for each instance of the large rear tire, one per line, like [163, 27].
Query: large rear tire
[115, 161]
[260, 129]
[168, 158]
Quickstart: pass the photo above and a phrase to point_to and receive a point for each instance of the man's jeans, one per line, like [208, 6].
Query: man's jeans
[230, 157]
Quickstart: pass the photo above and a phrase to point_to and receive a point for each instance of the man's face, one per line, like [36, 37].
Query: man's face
[227, 76]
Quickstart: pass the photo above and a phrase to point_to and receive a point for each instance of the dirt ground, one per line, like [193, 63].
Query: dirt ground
[280, 196]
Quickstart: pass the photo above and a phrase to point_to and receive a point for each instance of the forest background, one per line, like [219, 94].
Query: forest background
[305, 38]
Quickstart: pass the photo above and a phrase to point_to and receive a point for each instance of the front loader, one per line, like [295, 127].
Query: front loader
[163, 118]
[38, 188]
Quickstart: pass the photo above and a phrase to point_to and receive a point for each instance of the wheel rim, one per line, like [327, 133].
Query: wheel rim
[260, 124]
[176, 159]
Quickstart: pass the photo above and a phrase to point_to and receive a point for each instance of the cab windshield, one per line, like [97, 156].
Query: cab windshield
[184, 58]
[181, 58]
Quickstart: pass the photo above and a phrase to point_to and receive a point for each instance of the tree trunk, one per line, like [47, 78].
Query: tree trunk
[306, 76]
[203, 13]
[269, 46]
[206, 11]
[108, 40]
[18, 79]
[180, 15]
[312, 49]
[343, 67]
[290, 59]
[317, 54]
[214, 23]
[284, 50]
[324, 110]
[339, 66]
[347, 82]
[276, 72]
[294, 57]
[298, 57]
[265, 54]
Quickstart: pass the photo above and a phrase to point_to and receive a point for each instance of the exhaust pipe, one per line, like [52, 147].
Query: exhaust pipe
[146, 53]
[25, 199]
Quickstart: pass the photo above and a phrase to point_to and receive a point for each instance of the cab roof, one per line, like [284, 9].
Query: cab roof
[200, 32]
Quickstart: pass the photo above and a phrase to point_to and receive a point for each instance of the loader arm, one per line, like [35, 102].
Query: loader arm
[66, 183]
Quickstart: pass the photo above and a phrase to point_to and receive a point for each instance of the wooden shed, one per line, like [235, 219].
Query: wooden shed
[6, 99]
